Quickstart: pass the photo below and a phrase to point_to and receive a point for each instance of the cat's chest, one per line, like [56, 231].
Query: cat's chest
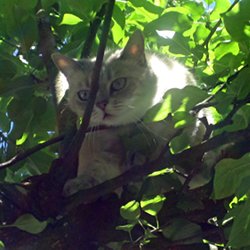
[101, 150]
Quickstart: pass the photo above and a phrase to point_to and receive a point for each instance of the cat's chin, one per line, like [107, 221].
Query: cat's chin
[109, 121]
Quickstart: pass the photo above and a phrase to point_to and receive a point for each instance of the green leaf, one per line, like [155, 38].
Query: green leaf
[220, 7]
[244, 187]
[30, 224]
[240, 86]
[236, 21]
[47, 3]
[118, 25]
[28, 5]
[158, 112]
[4, 122]
[226, 48]
[195, 9]
[175, 100]
[9, 71]
[126, 228]
[39, 106]
[181, 229]
[152, 205]
[1, 245]
[22, 85]
[180, 142]
[131, 211]
[70, 19]
[239, 235]
[174, 19]
[229, 174]
[150, 7]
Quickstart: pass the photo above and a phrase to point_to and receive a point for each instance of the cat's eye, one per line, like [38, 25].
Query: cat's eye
[83, 95]
[118, 84]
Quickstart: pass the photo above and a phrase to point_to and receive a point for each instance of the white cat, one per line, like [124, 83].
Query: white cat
[131, 82]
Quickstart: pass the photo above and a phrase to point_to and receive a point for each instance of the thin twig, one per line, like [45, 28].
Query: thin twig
[80, 135]
[23, 155]
[237, 104]
[94, 26]
[213, 30]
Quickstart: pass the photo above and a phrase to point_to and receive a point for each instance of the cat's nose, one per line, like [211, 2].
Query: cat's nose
[102, 104]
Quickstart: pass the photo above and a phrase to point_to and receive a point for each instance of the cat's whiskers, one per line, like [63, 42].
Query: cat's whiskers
[131, 107]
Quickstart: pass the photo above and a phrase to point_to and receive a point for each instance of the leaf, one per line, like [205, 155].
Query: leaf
[239, 235]
[39, 106]
[1, 245]
[152, 205]
[147, 6]
[131, 211]
[174, 19]
[229, 174]
[226, 48]
[182, 229]
[195, 9]
[70, 19]
[9, 71]
[22, 85]
[118, 25]
[28, 5]
[236, 21]
[30, 224]
[187, 122]
[240, 86]
[47, 3]
[175, 100]
[158, 112]
[220, 7]
[126, 228]
[244, 187]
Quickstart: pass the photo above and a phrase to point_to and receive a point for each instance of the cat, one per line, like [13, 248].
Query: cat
[132, 81]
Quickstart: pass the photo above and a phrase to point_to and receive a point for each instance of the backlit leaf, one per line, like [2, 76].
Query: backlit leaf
[130, 211]
[70, 19]
[152, 205]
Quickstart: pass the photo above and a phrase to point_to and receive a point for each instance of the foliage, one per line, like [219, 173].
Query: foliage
[212, 38]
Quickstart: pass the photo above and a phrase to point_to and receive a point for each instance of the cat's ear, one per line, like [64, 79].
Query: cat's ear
[134, 48]
[64, 64]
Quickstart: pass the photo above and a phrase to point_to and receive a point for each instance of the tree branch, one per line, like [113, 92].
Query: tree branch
[94, 26]
[23, 155]
[237, 104]
[213, 30]
[165, 159]
[80, 135]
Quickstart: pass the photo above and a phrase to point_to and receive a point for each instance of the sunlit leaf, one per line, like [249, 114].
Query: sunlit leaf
[152, 205]
[130, 211]
[70, 19]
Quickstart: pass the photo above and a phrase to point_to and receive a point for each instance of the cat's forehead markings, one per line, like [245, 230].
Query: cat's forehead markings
[108, 73]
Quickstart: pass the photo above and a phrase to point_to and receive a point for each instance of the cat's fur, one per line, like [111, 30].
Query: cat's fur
[131, 82]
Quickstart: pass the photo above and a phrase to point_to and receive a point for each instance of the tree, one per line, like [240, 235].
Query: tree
[212, 39]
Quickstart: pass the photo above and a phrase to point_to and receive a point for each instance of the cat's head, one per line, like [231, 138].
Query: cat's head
[126, 87]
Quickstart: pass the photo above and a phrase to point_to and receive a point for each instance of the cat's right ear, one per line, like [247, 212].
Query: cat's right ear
[134, 48]
[64, 64]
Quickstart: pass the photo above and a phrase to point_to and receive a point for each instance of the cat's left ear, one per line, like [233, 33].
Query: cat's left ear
[65, 64]
[134, 48]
